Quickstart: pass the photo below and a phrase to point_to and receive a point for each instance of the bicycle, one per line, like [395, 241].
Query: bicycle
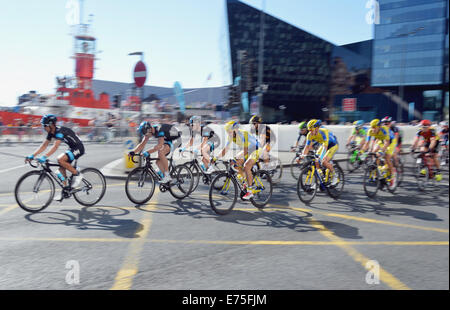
[354, 161]
[376, 176]
[297, 168]
[226, 187]
[424, 170]
[41, 182]
[311, 178]
[198, 172]
[141, 181]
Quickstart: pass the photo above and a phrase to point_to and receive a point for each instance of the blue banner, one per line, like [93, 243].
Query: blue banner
[179, 95]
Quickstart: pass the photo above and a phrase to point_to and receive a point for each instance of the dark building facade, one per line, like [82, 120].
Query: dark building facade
[410, 54]
[303, 72]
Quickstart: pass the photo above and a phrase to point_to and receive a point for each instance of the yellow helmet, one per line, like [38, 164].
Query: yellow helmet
[231, 125]
[375, 123]
[314, 123]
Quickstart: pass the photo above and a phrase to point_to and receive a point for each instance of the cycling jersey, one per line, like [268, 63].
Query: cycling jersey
[206, 132]
[383, 134]
[362, 132]
[266, 130]
[76, 147]
[244, 139]
[431, 133]
[324, 137]
[170, 133]
[396, 130]
[444, 135]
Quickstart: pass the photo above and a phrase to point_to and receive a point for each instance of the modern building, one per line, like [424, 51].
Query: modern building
[302, 72]
[410, 55]
[307, 76]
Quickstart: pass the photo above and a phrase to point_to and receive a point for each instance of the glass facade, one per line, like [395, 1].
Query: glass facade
[296, 63]
[303, 72]
[409, 44]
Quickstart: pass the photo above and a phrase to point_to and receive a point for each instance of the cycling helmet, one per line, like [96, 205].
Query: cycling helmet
[375, 123]
[302, 125]
[425, 122]
[231, 125]
[255, 119]
[314, 123]
[359, 123]
[387, 119]
[195, 119]
[48, 119]
[144, 127]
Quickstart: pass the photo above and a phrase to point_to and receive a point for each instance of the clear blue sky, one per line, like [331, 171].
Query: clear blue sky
[180, 38]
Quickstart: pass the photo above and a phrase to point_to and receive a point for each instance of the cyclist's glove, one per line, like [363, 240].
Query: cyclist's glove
[42, 159]
[30, 157]
[146, 154]
[131, 154]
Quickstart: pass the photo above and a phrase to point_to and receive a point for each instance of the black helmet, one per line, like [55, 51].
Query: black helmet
[387, 119]
[48, 119]
[255, 119]
[144, 127]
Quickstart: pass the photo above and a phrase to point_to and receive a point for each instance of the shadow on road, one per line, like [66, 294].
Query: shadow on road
[91, 218]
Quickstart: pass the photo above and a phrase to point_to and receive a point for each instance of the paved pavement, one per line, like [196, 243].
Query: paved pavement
[170, 244]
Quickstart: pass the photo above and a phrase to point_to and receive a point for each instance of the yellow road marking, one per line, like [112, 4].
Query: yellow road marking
[232, 242]
[9, 208]
[385, 276]
[124, 277]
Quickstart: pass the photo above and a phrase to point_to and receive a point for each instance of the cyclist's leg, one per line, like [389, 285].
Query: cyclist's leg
[251, 161]
[389, 154]
[328, 157]
[162, 162]
[207, 149]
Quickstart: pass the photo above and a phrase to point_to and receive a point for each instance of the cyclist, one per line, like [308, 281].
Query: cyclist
[384, 142]
[443, 133]
[302, 132]
[247, 142]
[266, 139]
[209, 140]
[167, 136]
[388, 122]
[76, 150]
[358, 134]
[429, 144]
[329, 145]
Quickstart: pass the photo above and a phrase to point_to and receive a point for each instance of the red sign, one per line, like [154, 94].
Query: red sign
[349, 105]
[140, 74]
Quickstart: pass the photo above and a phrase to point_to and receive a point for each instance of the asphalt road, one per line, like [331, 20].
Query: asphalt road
[170, 244]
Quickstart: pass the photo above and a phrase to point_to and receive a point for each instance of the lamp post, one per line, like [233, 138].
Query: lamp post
[403, 64]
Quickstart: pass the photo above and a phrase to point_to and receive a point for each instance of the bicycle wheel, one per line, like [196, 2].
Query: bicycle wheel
[353, 162]
[182, 183]
[371, 182]
[223, 193]
[307, 185]
[196, 177]
[335, 191]
[276, 170]
[139, 186]
[262, 182]
[422, 175]
[400, 172]
[296, 168]
[34, 191]
[93, 187]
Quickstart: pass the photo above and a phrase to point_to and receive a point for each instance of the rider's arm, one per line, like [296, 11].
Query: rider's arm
[433, 142]
[54, 148]
[141, 145]
[158, 147]
[42, 148]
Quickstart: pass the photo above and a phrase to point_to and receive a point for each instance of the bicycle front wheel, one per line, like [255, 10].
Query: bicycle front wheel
[223, 193]
[196, 177]
[34, 191]
[93, 187]
[296, 168]
[276, 170]
[336, 190]
[262, 183]
[182, 183]
[139, 186]
[371, 181]
[307, 185]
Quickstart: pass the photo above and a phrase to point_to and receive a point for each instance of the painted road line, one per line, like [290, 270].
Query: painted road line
[125, 276]
[13, 168]
[231, 242]
[385, 277]
[9, 208]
